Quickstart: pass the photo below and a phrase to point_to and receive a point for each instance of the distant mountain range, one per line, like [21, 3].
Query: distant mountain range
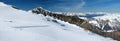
[104, 21]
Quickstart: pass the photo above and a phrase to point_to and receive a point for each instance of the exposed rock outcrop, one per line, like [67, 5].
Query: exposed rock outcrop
[79, 22]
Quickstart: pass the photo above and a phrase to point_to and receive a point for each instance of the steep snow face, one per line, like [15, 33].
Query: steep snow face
[19, 25]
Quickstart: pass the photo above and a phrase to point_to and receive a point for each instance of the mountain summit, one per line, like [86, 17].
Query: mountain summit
[2, 4]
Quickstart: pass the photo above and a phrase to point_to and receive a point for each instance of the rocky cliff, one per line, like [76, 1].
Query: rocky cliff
[81, 22]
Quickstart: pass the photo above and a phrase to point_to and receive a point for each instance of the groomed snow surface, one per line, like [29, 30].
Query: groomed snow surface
[18, 25]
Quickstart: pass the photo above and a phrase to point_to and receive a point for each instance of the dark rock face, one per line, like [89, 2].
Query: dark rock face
[80, 22]
[107, 27]
[15, 7]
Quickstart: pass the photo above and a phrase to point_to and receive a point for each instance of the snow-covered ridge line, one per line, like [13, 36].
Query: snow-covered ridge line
[112, 18]
[19, 25]
[72, 13]
[86, 24]
[2, 4]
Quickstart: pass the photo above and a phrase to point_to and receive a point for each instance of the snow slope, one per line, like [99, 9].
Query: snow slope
[2, 4]
[108, 22]
[19, 25]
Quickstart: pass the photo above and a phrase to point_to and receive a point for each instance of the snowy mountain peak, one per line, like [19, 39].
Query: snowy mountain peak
[108, 22]
[40, 9]
[2, 4]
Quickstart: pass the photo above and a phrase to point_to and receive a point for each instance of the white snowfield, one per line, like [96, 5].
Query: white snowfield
[110, 17]
[19, 25]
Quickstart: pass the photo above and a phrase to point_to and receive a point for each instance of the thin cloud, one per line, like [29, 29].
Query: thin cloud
[70, 7]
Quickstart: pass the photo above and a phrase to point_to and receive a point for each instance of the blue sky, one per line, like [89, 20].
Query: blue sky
[68, 5]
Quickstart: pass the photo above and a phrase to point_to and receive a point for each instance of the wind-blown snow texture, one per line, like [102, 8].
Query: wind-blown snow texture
[18, 25]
